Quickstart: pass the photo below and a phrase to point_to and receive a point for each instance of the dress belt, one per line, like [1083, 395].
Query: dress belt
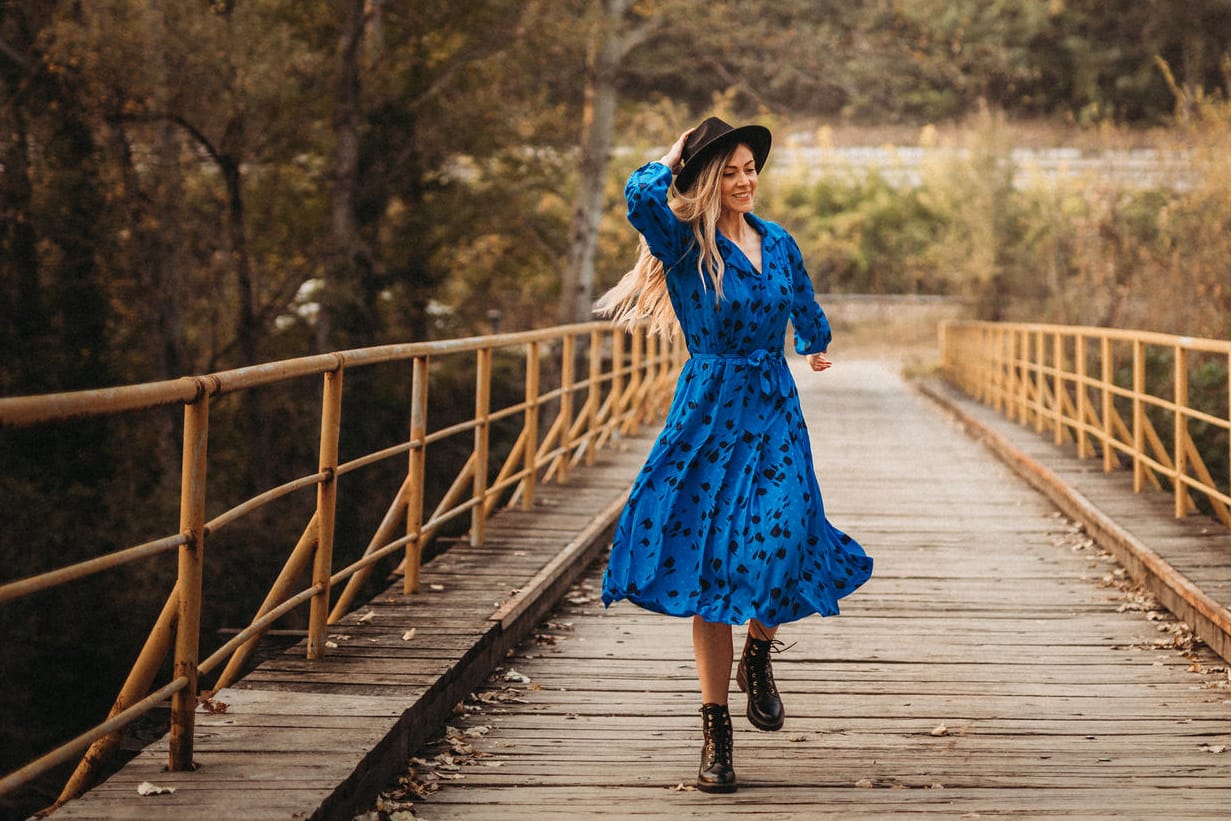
[764, 361]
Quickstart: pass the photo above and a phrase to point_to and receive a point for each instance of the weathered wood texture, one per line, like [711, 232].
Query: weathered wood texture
[301, 739]
[996, 664]
[1185, 563]
[1061, 691]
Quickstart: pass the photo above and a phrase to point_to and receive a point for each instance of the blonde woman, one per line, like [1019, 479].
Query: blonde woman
[725, 522]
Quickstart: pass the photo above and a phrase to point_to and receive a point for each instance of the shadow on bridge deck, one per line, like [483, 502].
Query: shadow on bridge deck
[997, 663]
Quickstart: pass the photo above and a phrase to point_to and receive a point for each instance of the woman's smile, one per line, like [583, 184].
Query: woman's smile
[739, 181]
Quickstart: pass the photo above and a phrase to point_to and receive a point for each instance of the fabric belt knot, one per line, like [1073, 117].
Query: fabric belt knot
[766, 364]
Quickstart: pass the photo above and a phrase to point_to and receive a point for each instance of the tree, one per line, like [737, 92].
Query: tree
[615, 31]
[352, 259]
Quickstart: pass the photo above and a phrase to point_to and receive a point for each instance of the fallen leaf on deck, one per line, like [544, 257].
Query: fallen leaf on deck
[797, 738]
[207, 703]
[146, 788]
[436, 587]
[682, 787]
[941, 730]
[1209, 748]
[513, 675]
[864, 783]
[366, 617]
[408, 635]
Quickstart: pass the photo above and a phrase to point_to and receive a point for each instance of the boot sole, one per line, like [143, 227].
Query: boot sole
[717, 788]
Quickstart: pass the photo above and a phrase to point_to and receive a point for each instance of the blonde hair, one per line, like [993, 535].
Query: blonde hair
[641, 294]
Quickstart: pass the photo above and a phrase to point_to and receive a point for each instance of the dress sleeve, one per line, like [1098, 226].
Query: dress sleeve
[812, 333]
[649, 213]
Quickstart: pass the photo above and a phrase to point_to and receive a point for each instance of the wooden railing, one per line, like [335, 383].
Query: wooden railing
[1153, 402]
[628, 382]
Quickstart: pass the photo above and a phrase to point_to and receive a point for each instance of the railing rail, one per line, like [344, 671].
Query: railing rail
[626, 384]
[1154, 402]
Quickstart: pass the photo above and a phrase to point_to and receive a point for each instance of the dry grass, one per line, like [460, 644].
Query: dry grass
[896, 330]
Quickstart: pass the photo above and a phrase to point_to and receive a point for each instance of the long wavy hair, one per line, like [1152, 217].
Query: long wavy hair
[641, 294]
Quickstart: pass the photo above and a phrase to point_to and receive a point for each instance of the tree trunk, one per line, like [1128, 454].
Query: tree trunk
[605, 53]
[246, 333]
[20, 298]
[351, 259]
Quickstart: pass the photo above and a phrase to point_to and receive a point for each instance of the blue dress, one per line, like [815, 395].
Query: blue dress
[725, 520]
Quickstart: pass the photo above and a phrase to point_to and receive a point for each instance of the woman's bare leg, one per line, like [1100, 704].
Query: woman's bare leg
[711, 644]
[759, 631]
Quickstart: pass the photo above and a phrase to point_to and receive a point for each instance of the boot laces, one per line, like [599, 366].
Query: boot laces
[718, 732]
[761, 673]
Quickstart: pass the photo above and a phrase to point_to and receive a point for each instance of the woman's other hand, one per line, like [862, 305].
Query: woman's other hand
[676, 152]
[819, 361]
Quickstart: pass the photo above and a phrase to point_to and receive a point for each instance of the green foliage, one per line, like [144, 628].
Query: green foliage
[864, 236]
[1062, 248]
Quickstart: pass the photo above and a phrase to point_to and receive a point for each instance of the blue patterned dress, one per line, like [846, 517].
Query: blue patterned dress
[725, 520]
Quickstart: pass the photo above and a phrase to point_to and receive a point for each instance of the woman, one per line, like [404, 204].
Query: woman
[725, 521]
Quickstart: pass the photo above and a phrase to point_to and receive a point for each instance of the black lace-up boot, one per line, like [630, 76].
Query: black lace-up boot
[717, 773]
[756, 678]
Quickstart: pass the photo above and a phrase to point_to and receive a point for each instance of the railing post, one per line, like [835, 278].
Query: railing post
[594, 393]
[188, 585]
[942, 341]
[651, 375]
[416, 464]
[530, 454]
[326, 505]
[566, 405]
[988, 359]
[1004, 367]
[635, 378]
[617, 376]
[1058, 385]
[1027, 372]
[1015, 373]
[1079, 379]
[1139, 387]
[993, 368]
[1040, 380]
[1109, 375]
[482, 407]
[1181, 431]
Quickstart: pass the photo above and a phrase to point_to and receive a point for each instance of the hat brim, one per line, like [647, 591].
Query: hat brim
[756, 137]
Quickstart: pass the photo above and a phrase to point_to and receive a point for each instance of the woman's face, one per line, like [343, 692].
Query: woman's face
[739, 181]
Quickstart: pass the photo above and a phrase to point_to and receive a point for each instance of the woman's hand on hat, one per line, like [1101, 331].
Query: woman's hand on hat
[675, 154]
[819, 361]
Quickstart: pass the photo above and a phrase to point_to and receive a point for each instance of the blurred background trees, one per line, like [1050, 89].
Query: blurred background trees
[196, 186]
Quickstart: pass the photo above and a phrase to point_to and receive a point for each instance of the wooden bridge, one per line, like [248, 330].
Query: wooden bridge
[1016, 652]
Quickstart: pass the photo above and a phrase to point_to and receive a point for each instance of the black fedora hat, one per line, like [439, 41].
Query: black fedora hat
[711, 138]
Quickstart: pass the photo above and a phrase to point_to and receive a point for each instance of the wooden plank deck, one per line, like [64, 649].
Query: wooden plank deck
[998, 663]
[317, 739]
[1061, 691]
[1185, 563]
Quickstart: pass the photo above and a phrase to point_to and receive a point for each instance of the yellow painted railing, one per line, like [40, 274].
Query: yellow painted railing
[627, 383]
[1153, 402]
